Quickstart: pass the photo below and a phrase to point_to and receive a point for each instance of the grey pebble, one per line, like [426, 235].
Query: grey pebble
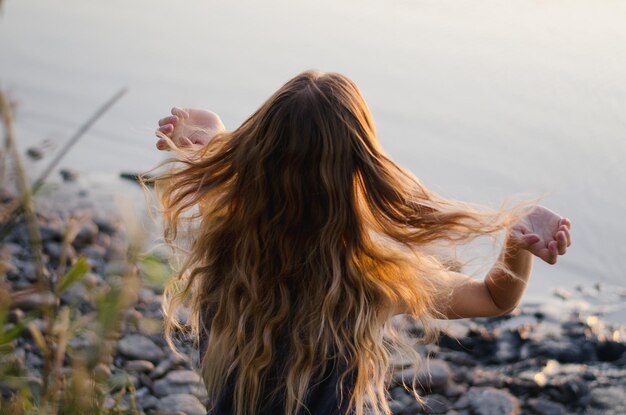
[180, 403]
[180, 381]
[492, 401]
[139, 366]
[545, 407]
[138, 347]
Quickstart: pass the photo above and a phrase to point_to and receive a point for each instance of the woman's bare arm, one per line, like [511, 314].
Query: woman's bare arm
[542, 233]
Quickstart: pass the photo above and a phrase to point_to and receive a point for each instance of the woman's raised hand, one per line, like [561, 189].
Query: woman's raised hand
[188, 128]
[543, 233]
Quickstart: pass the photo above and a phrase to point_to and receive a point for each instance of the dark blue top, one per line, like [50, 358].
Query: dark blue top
[322, 398]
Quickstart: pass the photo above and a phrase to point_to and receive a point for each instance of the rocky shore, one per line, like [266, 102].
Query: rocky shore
[531, 362]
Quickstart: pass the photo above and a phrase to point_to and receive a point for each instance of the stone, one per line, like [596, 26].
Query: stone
[94, 252]
[35, 153]
[507, 347]
[397, 407]
[102, 372]
[609, 399]
[492, 401]
[454, 390]
[139, 366]
[50, 233]
[545, 407]
[569, 389]
[28, 271]
[161, 369]
[86, 234]
[138, 347]
[563, 350]
[180, 381]
[68, 175]
[435, 375]
[181, 403]
[435, 404]
[149, 402]
[483, 377]
[105, 225]
[52, 249]
[610, 351]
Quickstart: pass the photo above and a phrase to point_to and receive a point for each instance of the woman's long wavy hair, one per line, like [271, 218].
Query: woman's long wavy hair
[306, 234]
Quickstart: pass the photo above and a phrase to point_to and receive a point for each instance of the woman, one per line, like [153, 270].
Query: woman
[307, 238]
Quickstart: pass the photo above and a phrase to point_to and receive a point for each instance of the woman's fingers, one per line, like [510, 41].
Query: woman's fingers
[565, 229]
[179, 112]
[561, 241]
[529, 240]
[162, 144]
[166, 129]
[170, 119]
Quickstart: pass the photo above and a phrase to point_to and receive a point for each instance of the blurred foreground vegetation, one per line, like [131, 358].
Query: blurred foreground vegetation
[59, 320]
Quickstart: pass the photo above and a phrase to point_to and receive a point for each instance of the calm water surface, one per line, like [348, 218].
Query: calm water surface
[481, 100]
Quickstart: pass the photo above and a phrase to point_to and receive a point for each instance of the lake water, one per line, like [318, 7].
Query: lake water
[480, 99]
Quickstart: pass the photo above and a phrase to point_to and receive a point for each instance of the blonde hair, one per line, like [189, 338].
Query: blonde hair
[306, 232]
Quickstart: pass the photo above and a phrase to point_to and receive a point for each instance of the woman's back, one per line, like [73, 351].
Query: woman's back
[323, 397]
[307, 239]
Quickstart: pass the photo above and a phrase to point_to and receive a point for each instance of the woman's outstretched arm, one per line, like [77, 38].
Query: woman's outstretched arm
[543, 234]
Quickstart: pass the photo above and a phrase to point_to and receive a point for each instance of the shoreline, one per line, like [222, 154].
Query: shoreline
[553, 357]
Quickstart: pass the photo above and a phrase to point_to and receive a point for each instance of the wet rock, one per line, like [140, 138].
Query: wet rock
[185, 403]
[491, 401]
[138, 347]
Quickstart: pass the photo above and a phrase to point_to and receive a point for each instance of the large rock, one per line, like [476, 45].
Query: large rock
[491, 401]
[181, 403]
[138, 347]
